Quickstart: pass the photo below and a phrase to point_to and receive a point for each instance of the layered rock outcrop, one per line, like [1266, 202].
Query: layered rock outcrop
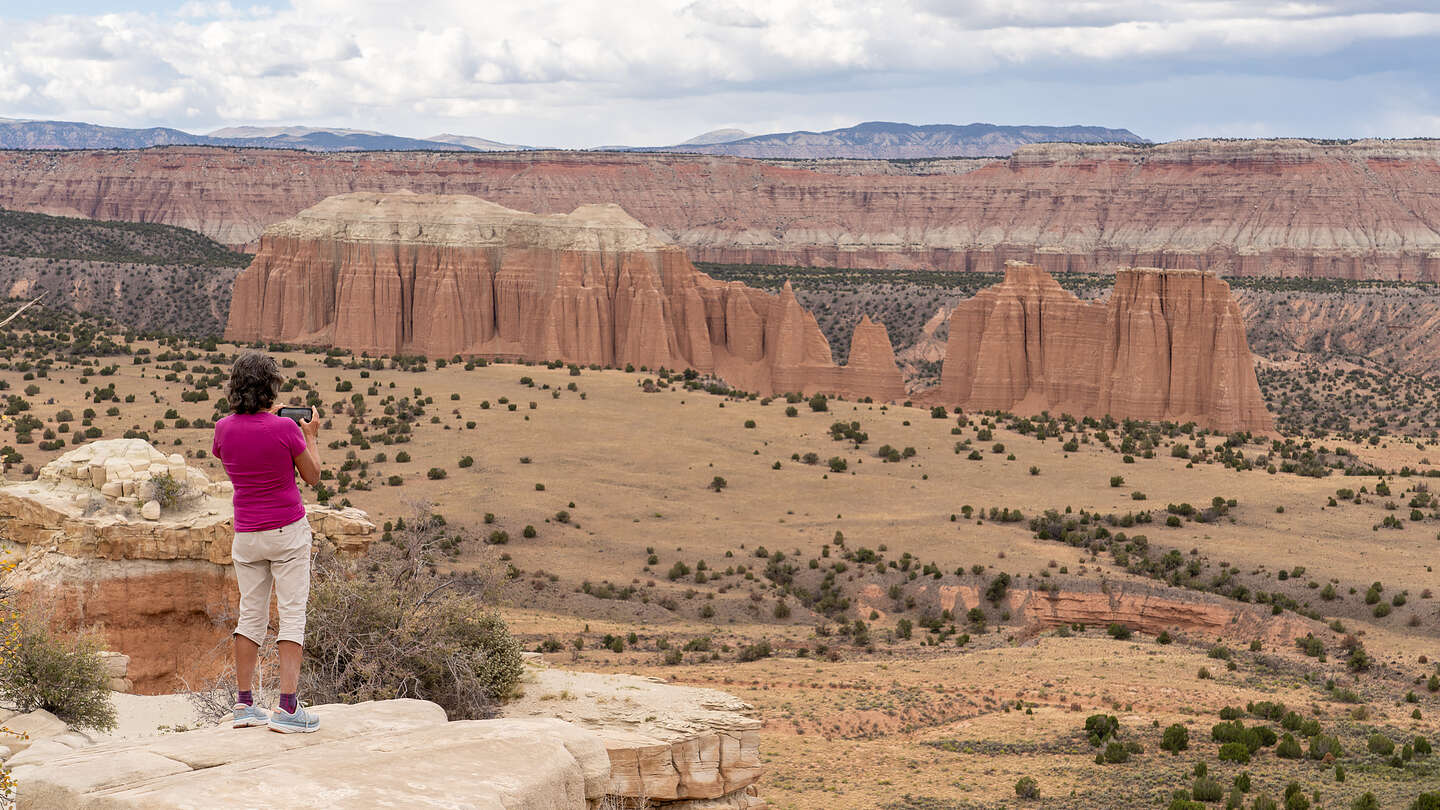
[393, 753]
[574, 740]
[1139, 607]
[451, 274]
[1169, 344]
[1254, 208]
[161, 588]
[679, 747]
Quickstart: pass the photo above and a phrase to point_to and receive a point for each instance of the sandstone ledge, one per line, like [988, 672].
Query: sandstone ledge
[574, 740]
[395, 753]
[677, 747]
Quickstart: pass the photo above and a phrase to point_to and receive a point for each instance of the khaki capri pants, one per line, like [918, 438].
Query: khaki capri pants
[278, 560]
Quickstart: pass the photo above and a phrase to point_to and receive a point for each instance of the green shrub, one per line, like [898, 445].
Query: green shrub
[1426, 801]
[1380, 744]
[1027, 788]
[1234, 752]
[1263, 802]
[1101, 727]
[1325, 744]
[1207, 790]
[1288, 748]
[1175, 739]
[1116, 753]
[756, 651]
[62, 676]
[391, 633]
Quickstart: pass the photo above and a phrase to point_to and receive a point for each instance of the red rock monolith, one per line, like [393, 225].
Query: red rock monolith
[1169, 344]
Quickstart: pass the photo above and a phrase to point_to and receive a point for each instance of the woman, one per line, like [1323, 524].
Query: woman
[262, 452]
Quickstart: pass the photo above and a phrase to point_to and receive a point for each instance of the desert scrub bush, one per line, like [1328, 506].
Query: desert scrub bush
[390, 626]
[1207, 789]
[1027, 787]
[1115, 754]
[1380, 744]
[166, 489]
[754, 652]
[62, 676]
[1288, 747]
[1101, 727]
[1234, 752]
[1175, 739]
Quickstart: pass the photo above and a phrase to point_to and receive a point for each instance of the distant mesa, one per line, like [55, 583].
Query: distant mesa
[1168, 345]
[715, 136]
[895, 141]
[451, 274]
[291, 131]
[477, 144]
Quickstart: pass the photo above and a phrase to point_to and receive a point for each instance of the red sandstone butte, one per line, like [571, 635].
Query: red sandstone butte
[1168, 345]
[1362, 210]
[451, 274]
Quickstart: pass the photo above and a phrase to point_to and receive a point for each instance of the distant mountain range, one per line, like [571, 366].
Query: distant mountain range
[873, 139]
[74, 135]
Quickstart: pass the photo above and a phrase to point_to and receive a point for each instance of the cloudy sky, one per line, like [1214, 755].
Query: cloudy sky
[583, 73]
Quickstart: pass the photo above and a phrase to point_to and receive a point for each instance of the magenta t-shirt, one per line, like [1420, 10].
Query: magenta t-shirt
[259, 451]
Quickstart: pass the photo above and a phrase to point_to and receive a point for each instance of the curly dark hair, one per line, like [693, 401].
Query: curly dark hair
[254, 382]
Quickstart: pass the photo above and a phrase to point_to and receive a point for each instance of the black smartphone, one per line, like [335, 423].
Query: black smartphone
[298, 414]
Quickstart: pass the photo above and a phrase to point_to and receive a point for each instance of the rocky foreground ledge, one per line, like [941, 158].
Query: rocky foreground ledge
[574, 740]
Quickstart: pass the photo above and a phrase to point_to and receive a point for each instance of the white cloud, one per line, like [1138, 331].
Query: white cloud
[417, 66]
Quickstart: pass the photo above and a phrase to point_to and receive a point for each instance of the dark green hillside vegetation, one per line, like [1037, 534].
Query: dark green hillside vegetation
[47, 237]
[152, 278]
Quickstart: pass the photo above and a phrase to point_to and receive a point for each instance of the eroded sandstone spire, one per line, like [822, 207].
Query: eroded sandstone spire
[1169, 344]
[449, 274]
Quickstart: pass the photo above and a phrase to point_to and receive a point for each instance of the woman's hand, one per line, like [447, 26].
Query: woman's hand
[311, 427]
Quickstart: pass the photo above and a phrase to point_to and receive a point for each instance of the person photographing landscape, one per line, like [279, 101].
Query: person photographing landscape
[262, 450]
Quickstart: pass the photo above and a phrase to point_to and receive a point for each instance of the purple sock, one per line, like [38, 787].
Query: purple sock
[246, 698]
[288, 704]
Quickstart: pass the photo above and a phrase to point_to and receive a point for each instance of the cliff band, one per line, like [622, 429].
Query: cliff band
[1168, 345]
[1364, 210]
[441, 275]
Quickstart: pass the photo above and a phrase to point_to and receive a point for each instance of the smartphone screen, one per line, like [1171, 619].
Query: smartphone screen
[298, 414]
